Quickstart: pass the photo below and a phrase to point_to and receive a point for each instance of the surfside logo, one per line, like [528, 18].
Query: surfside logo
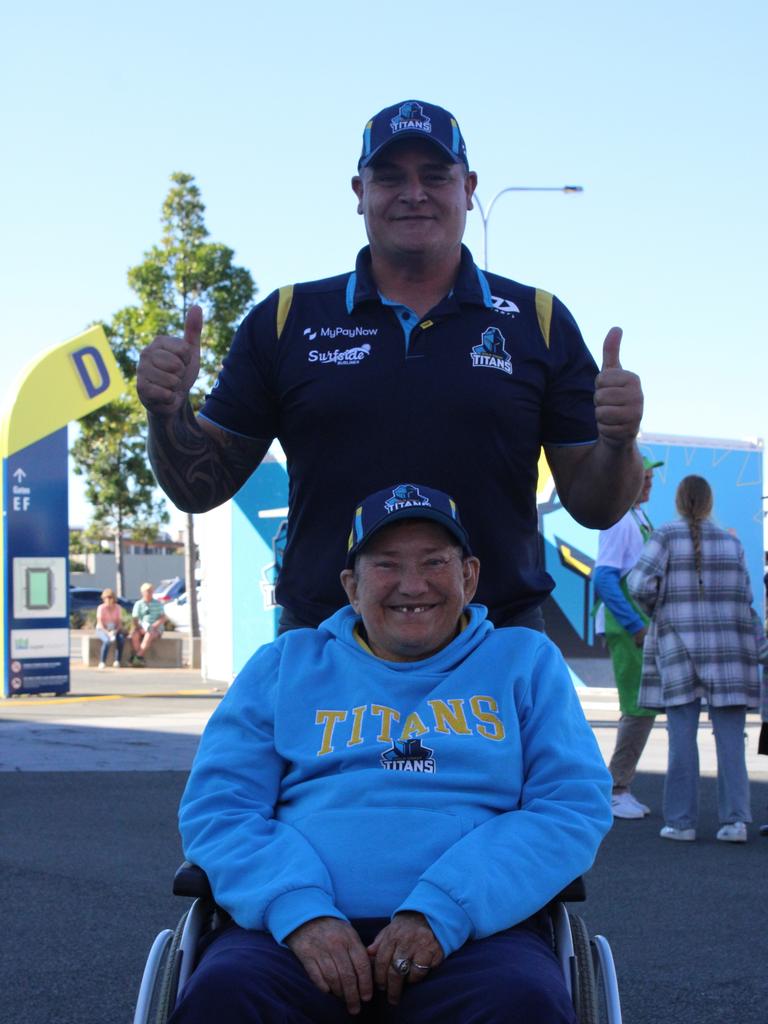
[340, 357]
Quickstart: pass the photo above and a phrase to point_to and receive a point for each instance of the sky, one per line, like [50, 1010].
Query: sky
[656, 110]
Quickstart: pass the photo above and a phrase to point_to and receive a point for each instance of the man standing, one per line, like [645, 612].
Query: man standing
[624, 626]
[417, 362]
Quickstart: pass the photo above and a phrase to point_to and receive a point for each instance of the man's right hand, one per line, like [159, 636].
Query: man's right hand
[639, 636]
[168, 367]
[334, 957]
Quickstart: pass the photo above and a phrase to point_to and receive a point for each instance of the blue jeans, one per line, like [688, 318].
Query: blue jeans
[681, 786]
[103, 635]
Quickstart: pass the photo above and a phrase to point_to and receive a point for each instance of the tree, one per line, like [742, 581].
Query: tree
[111, 452]
[182, 269]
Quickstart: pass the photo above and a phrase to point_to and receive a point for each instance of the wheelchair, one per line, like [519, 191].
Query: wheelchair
[587, 963]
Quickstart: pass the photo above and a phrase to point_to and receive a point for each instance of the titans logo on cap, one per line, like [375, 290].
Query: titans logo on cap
[405, 496]
[411, 115]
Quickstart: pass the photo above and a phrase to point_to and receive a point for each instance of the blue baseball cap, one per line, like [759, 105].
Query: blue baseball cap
[403, 501]
[413, 119]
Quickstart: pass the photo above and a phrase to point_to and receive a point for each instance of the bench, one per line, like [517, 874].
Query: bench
[165, 652]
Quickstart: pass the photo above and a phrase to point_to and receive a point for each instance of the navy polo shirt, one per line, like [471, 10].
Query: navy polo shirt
[362, 394]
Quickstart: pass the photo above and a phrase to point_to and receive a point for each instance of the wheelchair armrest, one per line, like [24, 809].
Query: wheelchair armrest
[575, 892]
[190, 880]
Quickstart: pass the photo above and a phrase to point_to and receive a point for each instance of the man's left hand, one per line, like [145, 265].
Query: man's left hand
[408, 938]
[618, 396]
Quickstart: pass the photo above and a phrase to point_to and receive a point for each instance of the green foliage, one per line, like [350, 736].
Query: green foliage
[82, 542]
[77, 620]
[182, 269]
[111, 453]
[87, 620]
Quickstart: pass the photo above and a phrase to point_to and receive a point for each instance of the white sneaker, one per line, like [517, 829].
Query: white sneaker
[101, 665]
[643, 807]
[735, 832]
[624, 805]
[116, 663]
[683, 835]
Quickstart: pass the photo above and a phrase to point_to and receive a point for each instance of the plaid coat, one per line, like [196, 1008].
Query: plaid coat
[703, 641]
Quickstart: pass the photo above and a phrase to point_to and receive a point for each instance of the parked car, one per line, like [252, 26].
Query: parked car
[83, 599]
[169, 590]
[178, 611]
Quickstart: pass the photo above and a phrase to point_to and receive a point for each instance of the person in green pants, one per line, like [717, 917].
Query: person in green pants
[624, 626]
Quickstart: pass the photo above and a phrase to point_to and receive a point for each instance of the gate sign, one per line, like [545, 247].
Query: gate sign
[64, 384]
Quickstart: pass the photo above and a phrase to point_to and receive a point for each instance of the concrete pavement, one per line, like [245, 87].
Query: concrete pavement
[151, 719]
[112, 720]
[90, 783]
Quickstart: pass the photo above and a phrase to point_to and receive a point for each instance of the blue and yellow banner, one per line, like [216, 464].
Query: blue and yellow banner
[65, 383]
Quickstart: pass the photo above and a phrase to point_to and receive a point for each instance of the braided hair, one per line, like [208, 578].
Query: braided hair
[694, 501]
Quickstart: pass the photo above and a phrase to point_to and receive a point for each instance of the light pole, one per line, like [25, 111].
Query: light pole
[485, 217]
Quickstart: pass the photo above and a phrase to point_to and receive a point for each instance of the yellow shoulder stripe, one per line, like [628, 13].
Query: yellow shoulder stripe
[283, 307]
[544, 313]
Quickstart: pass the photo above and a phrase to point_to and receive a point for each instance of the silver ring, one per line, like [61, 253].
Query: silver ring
[422, 967]
[402, 965]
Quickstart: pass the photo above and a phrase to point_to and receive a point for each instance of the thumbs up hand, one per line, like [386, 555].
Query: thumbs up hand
[618, 396]
[169, 366]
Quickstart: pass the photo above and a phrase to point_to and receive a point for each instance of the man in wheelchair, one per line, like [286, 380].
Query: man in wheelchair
[385, 803]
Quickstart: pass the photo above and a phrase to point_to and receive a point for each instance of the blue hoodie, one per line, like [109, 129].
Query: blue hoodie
[329, 782]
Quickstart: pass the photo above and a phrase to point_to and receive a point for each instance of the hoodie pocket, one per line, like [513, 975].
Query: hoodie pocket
[375, 857]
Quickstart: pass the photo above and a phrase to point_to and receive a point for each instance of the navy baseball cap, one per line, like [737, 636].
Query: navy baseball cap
[404, 501]
[413, 119]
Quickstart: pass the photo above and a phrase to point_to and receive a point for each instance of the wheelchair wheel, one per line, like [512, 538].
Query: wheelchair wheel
[585, 987]
[166, 985]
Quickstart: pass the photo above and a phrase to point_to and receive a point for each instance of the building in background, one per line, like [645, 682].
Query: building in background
[144, 561]
[241, 545]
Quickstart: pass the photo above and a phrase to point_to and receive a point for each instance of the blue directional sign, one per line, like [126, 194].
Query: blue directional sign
[36, 538]
[66, 383]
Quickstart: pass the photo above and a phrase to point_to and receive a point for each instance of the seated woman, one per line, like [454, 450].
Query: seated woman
[109, 627]
[384, 804]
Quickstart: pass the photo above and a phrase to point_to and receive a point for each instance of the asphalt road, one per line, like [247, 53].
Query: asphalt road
[89, 847]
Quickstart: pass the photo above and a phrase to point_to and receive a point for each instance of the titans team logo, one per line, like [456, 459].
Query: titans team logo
[409, 756]
[491, 353]
[411, 115]
[405, 496]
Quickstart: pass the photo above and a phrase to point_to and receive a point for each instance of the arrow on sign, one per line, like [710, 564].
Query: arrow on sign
[19, 474]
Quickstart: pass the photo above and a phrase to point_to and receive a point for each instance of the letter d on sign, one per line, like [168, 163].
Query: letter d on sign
[91, 370]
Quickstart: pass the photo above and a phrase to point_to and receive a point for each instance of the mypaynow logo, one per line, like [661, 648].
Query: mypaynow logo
[345, 332]
[91, 369]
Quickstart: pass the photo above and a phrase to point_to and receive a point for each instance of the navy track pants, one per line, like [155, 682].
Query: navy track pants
[245, 977]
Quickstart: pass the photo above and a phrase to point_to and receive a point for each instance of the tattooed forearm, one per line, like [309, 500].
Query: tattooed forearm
[196, 470]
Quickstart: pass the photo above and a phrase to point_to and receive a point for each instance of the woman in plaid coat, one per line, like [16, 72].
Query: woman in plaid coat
[702, 643]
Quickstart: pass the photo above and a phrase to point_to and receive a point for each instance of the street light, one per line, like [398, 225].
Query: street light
[485, 217]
